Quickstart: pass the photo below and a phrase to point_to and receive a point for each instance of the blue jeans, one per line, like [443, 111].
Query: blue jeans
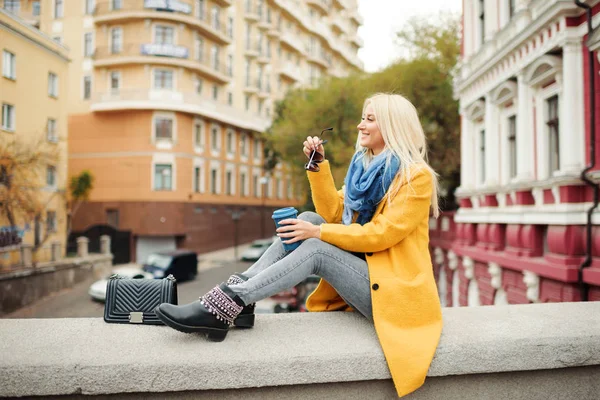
[279, 270]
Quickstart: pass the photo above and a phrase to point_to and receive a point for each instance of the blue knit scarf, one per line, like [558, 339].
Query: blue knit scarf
[366, 188]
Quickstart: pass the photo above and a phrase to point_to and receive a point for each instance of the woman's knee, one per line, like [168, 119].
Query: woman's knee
[311, 217]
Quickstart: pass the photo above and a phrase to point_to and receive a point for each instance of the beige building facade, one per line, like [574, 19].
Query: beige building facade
[33, 96]
[168, 100]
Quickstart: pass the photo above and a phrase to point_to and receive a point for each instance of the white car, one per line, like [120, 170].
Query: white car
[257, 249]
[98, 289]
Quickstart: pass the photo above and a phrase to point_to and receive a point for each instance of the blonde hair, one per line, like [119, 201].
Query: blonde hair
[398, 121]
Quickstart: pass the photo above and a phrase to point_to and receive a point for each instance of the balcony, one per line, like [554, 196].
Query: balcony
[173, 10]
[29, 16]
[187, 102]
[290, 71]
[319, 60]
[322, 5]
[338, 26]
[357, 40]
[288, 38]
[252, 14]
[150, 53]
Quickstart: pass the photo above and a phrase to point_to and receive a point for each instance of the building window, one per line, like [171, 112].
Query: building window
[243, 184]
[215, 92]
[163, 128]
[115, 82]
[228, 183]
[87, 87]
[35, 8]
[12, 6]
[248, 35]
[512, 146]
[116, 40]
[162, 177]
[230, 142]
[198, 84]
[482, 21]
[50, 222]
[511, 8]
[197, 179]
[163, 34]
[9, 65]
[214, 57]
[230, 27]
[112, 218]
[230, 64]
[230, 98]
[482, 155]
[117, 4]
[58, 8]
[213, 181]
[88, 48]
[256, 148]
[200, 9]
[51, 134]
[199, 48]
[216, 18]
[51, 176]
[163, 79]
[255, 185]
[52, 84]
[247, 100]
[553, 133]
[247, 69]
[214, 138]
[199, 134]
[244, 145]
[89, 6]
[8, 117]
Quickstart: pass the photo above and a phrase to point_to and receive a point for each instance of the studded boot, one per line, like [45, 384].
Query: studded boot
[212, 314]
[246, 318]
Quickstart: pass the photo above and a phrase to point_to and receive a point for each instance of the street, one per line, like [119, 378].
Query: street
[76, 303]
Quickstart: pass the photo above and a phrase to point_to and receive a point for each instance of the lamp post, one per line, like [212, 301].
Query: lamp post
[263, 182]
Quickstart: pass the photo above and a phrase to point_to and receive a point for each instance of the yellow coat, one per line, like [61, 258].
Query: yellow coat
[406, 308]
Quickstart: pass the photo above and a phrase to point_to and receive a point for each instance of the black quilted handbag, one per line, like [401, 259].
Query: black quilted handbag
[132, 301]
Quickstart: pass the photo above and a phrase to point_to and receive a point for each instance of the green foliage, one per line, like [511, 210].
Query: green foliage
[81, 186]
[425, 78]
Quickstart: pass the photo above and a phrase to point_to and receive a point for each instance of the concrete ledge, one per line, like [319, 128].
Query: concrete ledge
[489, 347]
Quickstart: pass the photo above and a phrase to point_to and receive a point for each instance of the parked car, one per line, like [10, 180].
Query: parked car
[256, 249]
[98, 289]
[182, 264]
[294, 299]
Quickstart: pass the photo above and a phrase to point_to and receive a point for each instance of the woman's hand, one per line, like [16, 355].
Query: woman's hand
[313, 143]
[295, 230]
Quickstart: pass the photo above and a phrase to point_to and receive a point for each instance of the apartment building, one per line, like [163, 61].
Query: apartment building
[168, 101]
[33, 90]
[521, 231]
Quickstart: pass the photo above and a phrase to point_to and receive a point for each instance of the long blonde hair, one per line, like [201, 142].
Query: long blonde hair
[398, 121]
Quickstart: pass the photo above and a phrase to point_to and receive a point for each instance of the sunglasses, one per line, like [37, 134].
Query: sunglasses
[316, 157]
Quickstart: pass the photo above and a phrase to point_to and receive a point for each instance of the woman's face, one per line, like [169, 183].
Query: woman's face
[370, 135]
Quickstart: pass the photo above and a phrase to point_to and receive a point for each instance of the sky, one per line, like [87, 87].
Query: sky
[382, 18]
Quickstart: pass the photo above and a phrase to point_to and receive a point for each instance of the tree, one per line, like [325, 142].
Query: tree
[80, 188]
[425, 78]
[23, 164]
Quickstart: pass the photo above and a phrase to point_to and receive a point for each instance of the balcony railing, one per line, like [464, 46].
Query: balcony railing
[291, 71]
[180, 10]
[179, 54]
[190, 102]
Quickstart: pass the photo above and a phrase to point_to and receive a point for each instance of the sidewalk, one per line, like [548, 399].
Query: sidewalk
[216, 258]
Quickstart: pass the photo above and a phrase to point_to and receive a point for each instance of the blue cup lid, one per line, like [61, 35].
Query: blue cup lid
[284, 213]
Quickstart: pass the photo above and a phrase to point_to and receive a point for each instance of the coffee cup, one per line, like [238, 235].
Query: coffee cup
[280, 215]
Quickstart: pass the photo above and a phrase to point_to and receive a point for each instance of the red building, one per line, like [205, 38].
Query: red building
[521, 230]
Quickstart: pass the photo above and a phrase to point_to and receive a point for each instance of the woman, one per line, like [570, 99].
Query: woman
[368, 243]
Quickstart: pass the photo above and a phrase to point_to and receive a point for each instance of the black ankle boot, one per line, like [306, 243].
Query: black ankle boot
[246, 318]
[213, 314]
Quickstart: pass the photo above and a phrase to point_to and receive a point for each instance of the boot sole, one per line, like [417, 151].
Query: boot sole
[244, 321]
[213, 334]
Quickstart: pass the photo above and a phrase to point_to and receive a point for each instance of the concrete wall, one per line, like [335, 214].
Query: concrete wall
[536, 351]
[23, 287]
